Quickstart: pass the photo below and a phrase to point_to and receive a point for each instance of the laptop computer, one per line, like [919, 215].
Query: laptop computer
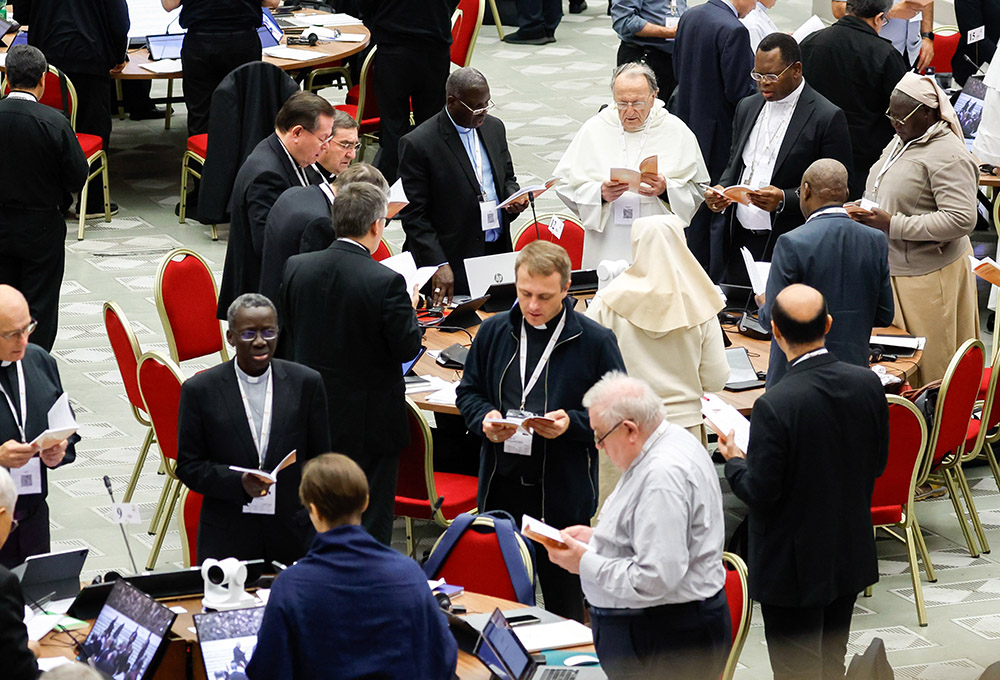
[165, 46]
[742, 374]
[20, 39]
[968, 106]
[228, 640]
[56, 574]
[483, 272]
[129, 637]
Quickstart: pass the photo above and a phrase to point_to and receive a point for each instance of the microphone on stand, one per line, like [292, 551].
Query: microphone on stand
[107, 484]
[978, 68]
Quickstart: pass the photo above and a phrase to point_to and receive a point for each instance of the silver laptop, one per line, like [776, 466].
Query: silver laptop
[488, 270]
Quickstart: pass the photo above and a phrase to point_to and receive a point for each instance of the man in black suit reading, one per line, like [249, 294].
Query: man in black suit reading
[251, 412]
[352, 320]
[818, 441]
[777, 133]
[840, 258]
[303, 130]
[456, 169]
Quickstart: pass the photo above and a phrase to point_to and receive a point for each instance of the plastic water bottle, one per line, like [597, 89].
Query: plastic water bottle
[3, 10]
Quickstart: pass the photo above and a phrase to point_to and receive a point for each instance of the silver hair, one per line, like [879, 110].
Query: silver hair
[8, 492]
[248, 301]
[642, 68]
[463, 79]
[616, 397]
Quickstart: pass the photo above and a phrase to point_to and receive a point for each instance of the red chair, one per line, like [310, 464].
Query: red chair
[893, 496]
[197, 151]
[160, 382]
[384, 251]
[986, 430]
[740, 609]
[466, 22]
[126, 349]
[365, 111]
[186, 298]
[187, 522]
[476, 564]
[571, 239]
[418, 484]
[947, 440]
[945, 46]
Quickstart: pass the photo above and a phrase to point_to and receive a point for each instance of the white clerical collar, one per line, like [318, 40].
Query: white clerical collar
[351, 240]
[461, 130]
[791, 100]
[328, 192]
[5, 364]
[809, 355]
[732, 7]
[544, 326]
[252, 379]
[21, 94]
[829, 210]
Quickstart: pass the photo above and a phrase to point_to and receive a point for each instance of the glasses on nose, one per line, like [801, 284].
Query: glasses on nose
[883, 21]
[15, 334]
[478, 112]
[900, 121]
[322, 140]
[769, 77]
[637, 105]
[347, 146]
[267, 334]
[598, 442]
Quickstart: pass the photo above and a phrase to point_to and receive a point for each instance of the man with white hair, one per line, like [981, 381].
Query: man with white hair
[652, 567]
[17, 652]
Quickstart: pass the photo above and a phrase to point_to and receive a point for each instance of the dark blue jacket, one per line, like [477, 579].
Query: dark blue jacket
[849, 264]
[353, 608]
[584, 353]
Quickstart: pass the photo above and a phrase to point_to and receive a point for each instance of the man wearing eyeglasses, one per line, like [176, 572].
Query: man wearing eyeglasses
[777, 133]
[30, 385]
[251, 413]
[849, 64]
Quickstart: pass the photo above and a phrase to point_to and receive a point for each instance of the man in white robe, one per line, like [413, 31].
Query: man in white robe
[621, 136]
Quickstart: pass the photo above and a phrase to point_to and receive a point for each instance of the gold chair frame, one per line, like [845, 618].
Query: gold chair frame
[187, 170]
[743, 630]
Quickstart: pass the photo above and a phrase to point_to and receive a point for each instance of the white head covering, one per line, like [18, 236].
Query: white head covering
[665, 288]
[925, 90]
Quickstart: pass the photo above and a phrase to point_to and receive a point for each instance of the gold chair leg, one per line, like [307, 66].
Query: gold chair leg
[121, 99]
[973, 513]
[918, 591]
[155, 522]
[170, 97]
[924, 555]
[215, 233]
[868, 591]
[137, 469]
[184, 185]
[82, 206]
[949, 483]
[409, 536]
[107, 188]
[162, 532]
[496, 18]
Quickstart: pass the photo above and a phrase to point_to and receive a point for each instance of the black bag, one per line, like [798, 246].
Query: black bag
[925, 399]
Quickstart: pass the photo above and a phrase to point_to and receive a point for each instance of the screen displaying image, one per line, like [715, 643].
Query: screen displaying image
[227, 641]
[970, 113]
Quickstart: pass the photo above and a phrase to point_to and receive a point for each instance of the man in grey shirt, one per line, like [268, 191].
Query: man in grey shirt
[652, 567]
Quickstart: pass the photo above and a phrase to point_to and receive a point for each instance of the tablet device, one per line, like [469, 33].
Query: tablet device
[742, 374]
[228, 640]
[462, 316]
[55, 572]
[165, 46]
[408, 365]
[266, 38]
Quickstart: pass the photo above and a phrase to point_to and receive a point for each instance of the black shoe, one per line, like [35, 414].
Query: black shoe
[550, 36]
[577, 7]
[516, 38]
[149, 114]
[97, 211]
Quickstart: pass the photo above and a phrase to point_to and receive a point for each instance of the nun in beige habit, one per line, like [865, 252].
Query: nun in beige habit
[663, 311]
[924, 187]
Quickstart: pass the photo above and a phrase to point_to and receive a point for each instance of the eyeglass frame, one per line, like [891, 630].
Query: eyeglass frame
[598, 442]
[898, 121]
[638, 105]
[345, 145]
[322, 141]
[769, 77]
[17, 333]
[479, 112]
[261, 333]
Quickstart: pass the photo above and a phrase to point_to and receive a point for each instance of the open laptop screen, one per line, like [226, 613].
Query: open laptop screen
[165, 46]
[501, 651]
[228, 640]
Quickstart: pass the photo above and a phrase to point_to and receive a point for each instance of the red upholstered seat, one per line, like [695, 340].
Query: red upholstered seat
[382, 252]
[352, 95]
[887, 514]
[459, 493]
[160, 383]
[734, 597]
[368, 125]
[186, 294]
[945, 46]
[985, 384]
[126, 351]
[188, 520]
[970, 438]
[571, 240]
[956, 403]
[90, 144]
[198, 144]
[893, 488]
[476, 564]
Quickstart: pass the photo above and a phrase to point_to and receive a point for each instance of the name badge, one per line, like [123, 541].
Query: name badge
[520, 443]
[556, 226]
[488, 215]
[868, 201]
[262, 505]
[626, 208]
[28, 477]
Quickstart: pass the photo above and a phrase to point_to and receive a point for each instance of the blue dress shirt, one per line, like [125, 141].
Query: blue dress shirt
[469, 137]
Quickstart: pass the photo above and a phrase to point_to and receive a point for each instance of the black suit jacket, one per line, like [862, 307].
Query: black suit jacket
[817, 129]
[712, 63]
[849, 64]
[442, 220]
[299, 215]
[847, 262]
[350, 318]
[213, 434]
[971, 14]
[78, 37]
[19, 663]
[266, 173]
[818, 441]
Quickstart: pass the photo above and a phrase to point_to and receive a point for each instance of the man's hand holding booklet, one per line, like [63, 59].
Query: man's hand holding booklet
[541, 532]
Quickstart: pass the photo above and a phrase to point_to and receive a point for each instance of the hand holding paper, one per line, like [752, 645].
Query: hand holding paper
[62, 425]
[725, 420]
[541, 532]
[535, 190]
[404, 264]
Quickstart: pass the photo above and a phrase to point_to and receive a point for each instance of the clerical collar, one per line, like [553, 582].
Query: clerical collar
[792, 99]
[545, 326]
[461, 130]
[359, 245]
[21, 94]
[808, 355]
[5, 364]
[252, 379]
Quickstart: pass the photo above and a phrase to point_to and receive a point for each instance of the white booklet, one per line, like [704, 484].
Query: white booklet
[535, 190]
[405, 265]
[539, 531]
[397, 199]
[62, 424]
[723, 418]
[758, 271]
[539, 636]
[271, 476]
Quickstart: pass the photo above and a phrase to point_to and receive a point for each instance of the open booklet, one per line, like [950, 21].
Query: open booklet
[634, 177]
[535, 190]
[405, 265]
[758, 272]
[397, 199]
[723, 418]
[738, 193]
[271, 476]
[986, 269]
[526, 423]
[62, 424]
[539, 531]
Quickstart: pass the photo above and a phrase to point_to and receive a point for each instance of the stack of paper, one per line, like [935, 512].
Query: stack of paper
[723, 418]
[163, 66]
[433, 384]
[444, 397]
[290, 53]
[324, 20]
[758, 271]
[539, 636]
[899, 341]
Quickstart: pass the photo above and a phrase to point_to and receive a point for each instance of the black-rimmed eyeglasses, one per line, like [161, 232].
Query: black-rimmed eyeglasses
[599, 441]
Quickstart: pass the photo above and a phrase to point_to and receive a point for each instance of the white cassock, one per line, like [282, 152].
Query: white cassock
[602, 144]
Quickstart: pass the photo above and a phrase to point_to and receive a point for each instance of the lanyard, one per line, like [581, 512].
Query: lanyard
[759, 153]
[526, 388]
[642, 144]
[24, 402]
[893, 157]
[328, 192]
[477, 165]
[809, 355]
[265, 424]
[299, 172]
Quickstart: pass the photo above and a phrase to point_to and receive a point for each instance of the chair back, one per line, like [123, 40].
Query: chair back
[740, 609]
[384, 251]
[416, 463]
[895, 487]
[126, 349]
[367, 104]
[187, 521]
[466, 22]
[571, 239]
[990, 417]
[160, 381]
[186, 298]
[59, 93]
[955, 402]
[945, 45]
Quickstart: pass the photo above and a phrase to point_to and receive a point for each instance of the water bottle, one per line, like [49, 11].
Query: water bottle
[3, 10]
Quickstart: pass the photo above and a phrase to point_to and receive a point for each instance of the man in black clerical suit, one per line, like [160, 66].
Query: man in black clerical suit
[30, 384]
[818, 441]
[35, 190]
[778, 132]
[352, 320]
[17, 652]
[243, 515]
[302, 131]
[455, 167]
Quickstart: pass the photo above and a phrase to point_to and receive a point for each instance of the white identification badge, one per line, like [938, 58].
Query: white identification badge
[556, 226]
[626, 208]
[868, 202]
[519, 444]
[28, 477]
[488, 215]
[262, 505]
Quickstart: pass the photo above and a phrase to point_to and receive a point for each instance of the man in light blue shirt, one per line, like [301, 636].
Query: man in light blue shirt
[912, 36]
[647, 29]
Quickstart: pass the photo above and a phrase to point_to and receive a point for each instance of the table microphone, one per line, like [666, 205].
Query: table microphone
[107, 484]
[978, 68]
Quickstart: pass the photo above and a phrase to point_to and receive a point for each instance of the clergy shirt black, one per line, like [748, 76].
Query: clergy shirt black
[220, 15]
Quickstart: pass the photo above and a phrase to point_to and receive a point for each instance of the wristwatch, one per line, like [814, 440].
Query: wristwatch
[928, 35]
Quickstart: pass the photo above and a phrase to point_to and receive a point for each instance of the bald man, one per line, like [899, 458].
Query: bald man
[29, 381]
[847, 264]
[818, 441]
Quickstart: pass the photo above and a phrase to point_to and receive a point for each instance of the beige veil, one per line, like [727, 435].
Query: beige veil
[926, 91]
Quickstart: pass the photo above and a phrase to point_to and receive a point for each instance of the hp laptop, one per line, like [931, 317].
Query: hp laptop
[228, 640]
[489, 270]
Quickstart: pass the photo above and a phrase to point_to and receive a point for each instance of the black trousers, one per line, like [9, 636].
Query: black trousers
[688, 641]
[661, 61]
[93, 117]
[208, 57]
[560, 588]
[32, 259]
[759, 243]
[381, 471]
[255, 537]
[808, 643]
[538, 18]
[405, 74]
[30, 538]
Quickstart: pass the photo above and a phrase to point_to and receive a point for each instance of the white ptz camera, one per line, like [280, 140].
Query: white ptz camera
[224, 584]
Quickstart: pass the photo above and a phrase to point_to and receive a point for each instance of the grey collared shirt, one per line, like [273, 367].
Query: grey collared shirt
[659, 537]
